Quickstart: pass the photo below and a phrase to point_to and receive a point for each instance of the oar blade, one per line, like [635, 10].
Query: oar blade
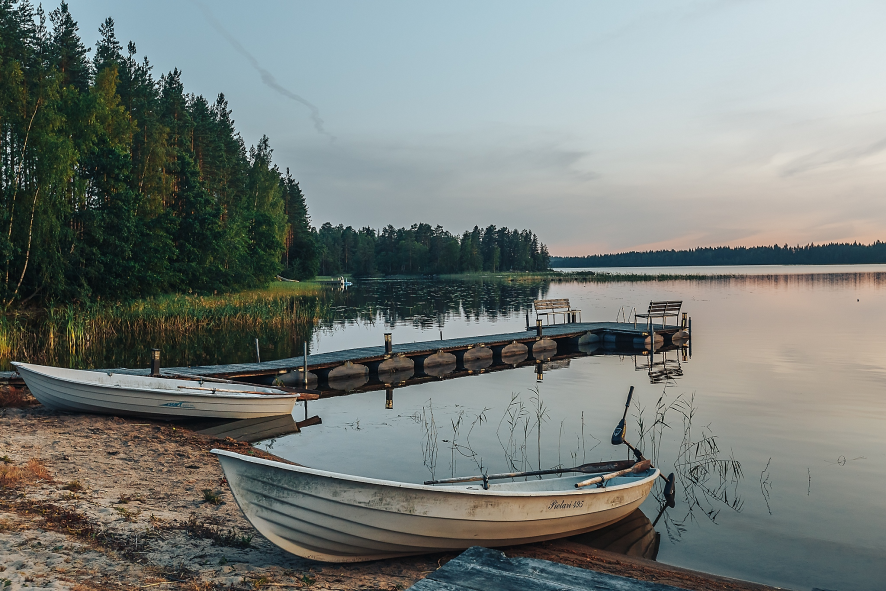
[618, 436]
[670, 491]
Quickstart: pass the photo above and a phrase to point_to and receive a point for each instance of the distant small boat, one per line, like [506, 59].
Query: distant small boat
[153, 397]
[340, 518]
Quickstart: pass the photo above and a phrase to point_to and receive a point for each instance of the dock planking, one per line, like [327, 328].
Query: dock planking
[483, 569]
[368, 355]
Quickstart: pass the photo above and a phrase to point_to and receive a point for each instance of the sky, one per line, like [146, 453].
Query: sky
[601, 126]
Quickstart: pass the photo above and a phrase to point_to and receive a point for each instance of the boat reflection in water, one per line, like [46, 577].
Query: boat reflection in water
[632, 536]
[254, 430]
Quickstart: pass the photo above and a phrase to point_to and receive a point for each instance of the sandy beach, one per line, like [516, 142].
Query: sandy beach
[99, 502]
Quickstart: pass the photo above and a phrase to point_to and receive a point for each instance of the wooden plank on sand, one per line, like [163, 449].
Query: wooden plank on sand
[482, 569]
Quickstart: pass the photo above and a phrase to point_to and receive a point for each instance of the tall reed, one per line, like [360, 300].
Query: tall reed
[71, 334]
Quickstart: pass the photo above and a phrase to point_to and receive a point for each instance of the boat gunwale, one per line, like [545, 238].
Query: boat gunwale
[175, 393]
[431, 488]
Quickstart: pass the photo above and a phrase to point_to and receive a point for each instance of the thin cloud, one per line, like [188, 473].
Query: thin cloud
[821, 158]
[266, 76]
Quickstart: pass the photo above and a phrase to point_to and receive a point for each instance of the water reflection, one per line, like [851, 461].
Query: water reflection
[266, 429]
[634, 536]
[707, 479]
[220, 333]
[661, 367]
[809, 390]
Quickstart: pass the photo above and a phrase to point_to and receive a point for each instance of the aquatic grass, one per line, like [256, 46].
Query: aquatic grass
[74, 335]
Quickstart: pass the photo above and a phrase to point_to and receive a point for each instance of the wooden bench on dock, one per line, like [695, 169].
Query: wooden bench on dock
[550, 308]
[663, 310]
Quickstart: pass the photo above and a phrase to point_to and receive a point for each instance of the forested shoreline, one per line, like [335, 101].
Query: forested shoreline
[423, 249]
[116, 184]
[811, 254]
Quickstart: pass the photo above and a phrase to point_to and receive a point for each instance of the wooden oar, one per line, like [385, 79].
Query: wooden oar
[301, 396]
[593, 468]
[638, 467]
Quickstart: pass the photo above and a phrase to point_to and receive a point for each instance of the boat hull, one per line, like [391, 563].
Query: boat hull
[338, 518]
[123, 395]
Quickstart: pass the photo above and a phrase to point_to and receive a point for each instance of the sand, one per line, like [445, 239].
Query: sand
[112, 503]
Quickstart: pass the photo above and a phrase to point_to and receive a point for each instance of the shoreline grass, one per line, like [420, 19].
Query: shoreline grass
[66, 331]
[586, 276]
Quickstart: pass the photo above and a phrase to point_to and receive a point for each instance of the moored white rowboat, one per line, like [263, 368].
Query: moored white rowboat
[340, 518]
[122, 394]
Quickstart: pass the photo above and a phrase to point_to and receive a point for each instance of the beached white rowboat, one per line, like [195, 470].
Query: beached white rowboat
[339, 518]
[143, 396]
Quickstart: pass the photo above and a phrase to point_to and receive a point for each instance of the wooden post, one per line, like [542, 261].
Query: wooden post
[305, 372]
[683, 323]
[389, 398]
[538, 327]
[257, 354]
[527, 320]
[155, 363]
[389, 344]
[305, 367]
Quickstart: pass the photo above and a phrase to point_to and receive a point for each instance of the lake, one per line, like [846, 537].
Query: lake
[774, 426]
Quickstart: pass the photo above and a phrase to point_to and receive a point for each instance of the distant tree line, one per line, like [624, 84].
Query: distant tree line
[811, 254]
[423, 249]
[115, 184]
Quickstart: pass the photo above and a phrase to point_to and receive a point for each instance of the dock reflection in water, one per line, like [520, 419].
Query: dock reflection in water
[663, 365]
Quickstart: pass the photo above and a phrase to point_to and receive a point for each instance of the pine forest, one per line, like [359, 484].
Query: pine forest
[117, 183]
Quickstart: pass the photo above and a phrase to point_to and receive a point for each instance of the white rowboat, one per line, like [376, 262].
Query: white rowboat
[340, 518]
[143, 396]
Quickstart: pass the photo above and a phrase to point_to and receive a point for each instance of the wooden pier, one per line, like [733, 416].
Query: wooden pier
[394, 363]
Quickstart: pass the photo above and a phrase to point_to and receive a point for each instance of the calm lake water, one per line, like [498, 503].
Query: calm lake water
[775, 427]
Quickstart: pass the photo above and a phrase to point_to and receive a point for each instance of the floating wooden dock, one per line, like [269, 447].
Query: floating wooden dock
[482, 569]
[384, 365]
[394, 363]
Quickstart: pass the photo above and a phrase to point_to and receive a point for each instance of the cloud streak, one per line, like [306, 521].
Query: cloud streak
[267, 78]
[822, 159]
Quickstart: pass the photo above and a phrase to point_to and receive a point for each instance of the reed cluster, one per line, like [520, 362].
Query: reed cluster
[68, 331]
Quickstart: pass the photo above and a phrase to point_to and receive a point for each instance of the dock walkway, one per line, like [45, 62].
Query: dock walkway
[415, 355]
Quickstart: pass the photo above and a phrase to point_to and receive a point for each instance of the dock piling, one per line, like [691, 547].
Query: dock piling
[538, 327]
[155, 363]
[389, 398]
[257, 354]
[389, 343]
